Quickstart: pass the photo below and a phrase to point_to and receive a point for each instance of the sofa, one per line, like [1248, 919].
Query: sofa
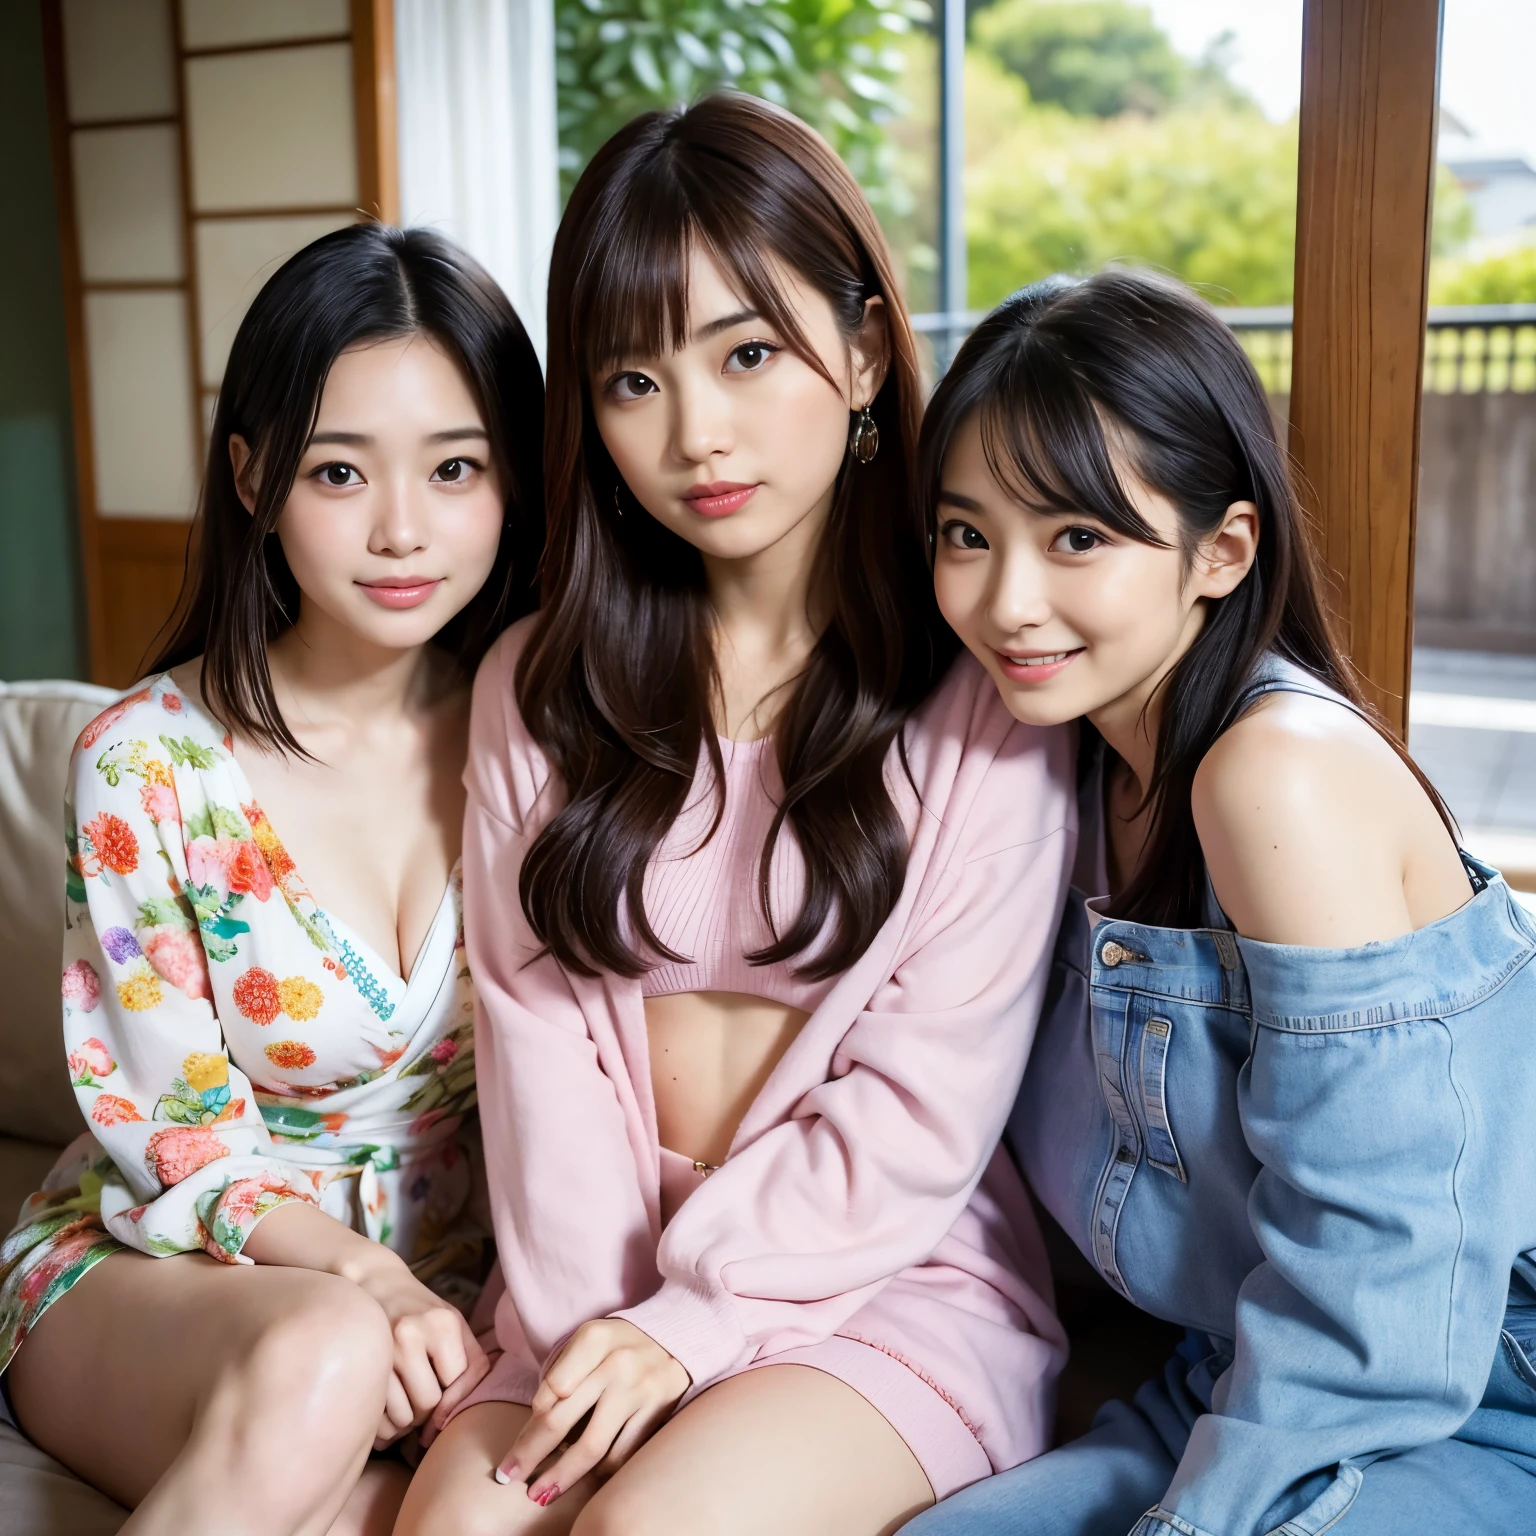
[38, 726]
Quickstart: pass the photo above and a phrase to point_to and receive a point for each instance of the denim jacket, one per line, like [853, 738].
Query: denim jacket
[1324, 1160]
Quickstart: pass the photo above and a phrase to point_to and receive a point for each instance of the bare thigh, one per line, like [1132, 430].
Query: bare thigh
[111, 1379]
[784, 1448]
[455, 1493]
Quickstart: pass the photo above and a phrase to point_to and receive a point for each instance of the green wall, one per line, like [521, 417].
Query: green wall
[40, 619]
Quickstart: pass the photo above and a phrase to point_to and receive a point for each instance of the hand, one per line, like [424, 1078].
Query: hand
[437, 1361]
[627, 1381]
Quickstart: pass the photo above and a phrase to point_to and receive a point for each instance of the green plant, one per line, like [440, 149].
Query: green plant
[1207, 192]
[1507, 277]
[834, 63]
[1096, 58]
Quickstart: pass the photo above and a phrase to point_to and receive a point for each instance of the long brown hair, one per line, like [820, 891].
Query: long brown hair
[367, 282]
[1051, 375]
[618, 680]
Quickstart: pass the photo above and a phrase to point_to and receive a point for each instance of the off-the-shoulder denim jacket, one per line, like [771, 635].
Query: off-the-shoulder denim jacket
[1324, 1160]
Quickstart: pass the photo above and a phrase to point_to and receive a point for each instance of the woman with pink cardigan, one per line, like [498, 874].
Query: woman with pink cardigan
[761, 884]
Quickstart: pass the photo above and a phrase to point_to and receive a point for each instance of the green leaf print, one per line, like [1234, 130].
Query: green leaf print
[217, 949]
[230, 823]
[290, 1122]
[188, 753]
[163, 1247]
[198, 824]
[106, 766]
[160, 911]
[224, 927]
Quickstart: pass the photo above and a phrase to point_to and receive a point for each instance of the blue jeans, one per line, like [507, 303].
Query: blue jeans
[1481, 1482]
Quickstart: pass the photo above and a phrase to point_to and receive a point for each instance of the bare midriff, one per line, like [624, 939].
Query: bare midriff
[711, 1053]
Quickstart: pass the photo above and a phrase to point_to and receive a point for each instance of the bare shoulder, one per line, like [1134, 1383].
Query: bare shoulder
[1308, 820]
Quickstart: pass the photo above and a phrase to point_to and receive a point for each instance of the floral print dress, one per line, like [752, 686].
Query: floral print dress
[232, 1045]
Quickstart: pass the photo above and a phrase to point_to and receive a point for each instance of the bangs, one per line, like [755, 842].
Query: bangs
[630, 299]
[1051, 446]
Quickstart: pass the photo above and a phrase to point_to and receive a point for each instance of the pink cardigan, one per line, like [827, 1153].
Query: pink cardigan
[860, 1160]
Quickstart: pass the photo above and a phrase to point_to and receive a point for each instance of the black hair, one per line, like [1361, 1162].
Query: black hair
[367, 282]
[1070, 375]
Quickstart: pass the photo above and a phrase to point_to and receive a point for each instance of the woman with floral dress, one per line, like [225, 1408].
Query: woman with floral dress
[265, 1234]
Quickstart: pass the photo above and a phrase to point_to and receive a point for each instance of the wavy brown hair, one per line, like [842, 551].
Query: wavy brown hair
[1065, 377]
[618, 681]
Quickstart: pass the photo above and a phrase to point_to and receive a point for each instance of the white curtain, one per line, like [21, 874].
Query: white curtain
[478, 144]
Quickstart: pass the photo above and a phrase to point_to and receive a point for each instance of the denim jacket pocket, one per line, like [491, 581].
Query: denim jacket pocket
[1162, 1150]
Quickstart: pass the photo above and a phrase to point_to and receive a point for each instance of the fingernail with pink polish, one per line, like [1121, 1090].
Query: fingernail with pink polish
[549, 1495]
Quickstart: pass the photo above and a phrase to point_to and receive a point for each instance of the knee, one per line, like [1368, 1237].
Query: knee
[315, 1375]
[620, 1508]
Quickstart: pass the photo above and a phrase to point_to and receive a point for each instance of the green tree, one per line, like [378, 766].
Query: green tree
[1094, 58]
[1207, 192]
[834, 63]
[1507, 277]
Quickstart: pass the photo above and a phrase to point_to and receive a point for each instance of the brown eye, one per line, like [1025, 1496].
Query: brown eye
[960, 535]
[749, 357]
[1077, 541]
[339, 475]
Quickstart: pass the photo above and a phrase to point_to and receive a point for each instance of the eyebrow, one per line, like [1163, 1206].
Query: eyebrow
[364, 440]
[724, 323]
[955, 499]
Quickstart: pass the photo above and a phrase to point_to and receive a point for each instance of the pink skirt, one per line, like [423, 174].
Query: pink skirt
[936, 1428]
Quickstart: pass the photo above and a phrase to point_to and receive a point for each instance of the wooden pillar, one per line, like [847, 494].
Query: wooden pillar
[373, 95]
[1369, 92]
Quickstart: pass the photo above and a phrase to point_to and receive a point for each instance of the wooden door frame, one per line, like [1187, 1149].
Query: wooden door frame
[164, 541]
[1369, 104]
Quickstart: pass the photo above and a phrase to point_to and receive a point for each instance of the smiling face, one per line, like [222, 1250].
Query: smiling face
[734, 441]
[1071, 617]
[395, 514]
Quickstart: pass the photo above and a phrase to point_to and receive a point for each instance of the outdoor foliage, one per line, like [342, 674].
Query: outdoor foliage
[833, 63]
[1508, 277]
[1205, 190]
[1094, 58]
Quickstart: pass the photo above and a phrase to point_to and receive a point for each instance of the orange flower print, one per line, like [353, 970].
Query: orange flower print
[284, 871]
[248, 871]
[113, 844]
[290, 1055]
[107, 719]
[140, 990]
[109, 1109]
[180, 1150]
[256, 996]
[301, 999]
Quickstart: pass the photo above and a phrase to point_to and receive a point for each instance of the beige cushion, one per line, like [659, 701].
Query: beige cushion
[40, 1497]
[38, 726]
[23, 1166]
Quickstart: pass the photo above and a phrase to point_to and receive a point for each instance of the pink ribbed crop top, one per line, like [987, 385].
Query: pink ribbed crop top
[702, 897]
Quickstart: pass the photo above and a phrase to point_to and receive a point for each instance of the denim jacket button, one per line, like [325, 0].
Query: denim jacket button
[1112, 954]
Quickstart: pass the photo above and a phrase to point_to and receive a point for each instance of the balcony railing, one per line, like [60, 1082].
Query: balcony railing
[1472, 349]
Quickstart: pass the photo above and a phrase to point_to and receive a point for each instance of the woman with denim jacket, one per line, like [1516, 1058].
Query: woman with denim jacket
[1285, 1090]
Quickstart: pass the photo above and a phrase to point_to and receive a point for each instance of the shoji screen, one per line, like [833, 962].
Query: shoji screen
[198, 143]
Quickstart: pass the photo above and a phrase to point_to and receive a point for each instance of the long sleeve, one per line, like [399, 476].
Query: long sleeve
[1389, 1221]
[574, 1234]
[871, 1168]
[194, 1163]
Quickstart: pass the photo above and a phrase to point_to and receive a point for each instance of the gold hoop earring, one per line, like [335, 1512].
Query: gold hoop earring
[616, 505]
[864, 441]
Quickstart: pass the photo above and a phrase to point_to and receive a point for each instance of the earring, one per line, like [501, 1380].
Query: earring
[616, 505]
[864, 442]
